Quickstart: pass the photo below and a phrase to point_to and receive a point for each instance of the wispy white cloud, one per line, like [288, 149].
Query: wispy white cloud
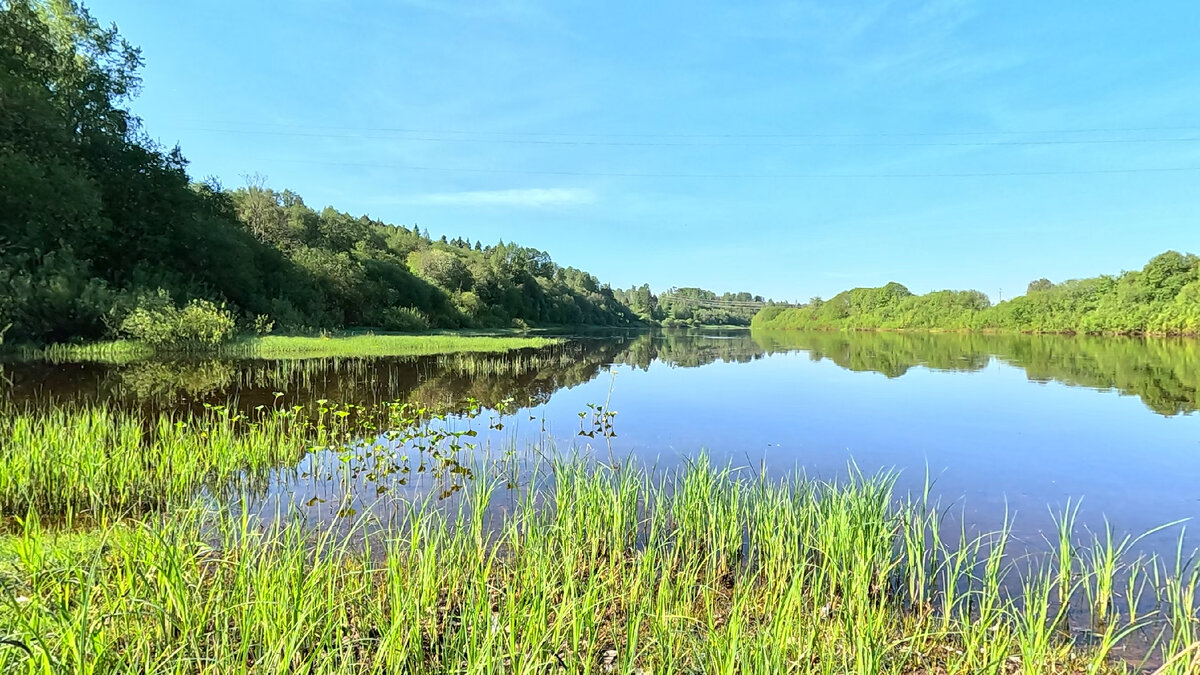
[530, 197]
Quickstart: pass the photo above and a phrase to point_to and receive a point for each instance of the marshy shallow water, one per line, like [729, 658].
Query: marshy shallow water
[1005, 433]
[1007, 427]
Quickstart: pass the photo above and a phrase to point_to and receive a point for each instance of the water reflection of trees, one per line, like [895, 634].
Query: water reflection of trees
[522, 377]
[1164, 373]
[689, 348]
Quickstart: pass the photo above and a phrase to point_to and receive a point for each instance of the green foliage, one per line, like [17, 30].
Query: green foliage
[440, 267]
[263, 325]
[692, 306]
[198, 325]
[1162, 298]
[403, 319]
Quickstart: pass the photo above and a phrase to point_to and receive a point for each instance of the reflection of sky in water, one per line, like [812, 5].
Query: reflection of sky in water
[992, 439]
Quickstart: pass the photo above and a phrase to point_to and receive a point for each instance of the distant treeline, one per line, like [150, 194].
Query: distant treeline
[692, 306]
[1163, 298]
[102, 233]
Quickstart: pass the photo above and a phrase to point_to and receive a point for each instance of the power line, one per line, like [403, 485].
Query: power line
[901, 134]
[731, 176]
[661, 144]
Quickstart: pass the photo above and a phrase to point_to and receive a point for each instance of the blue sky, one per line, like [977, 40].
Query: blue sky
[786, 148]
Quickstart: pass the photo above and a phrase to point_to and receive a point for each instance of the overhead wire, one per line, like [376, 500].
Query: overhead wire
[883, 134]
[666, 144]
[756, 176]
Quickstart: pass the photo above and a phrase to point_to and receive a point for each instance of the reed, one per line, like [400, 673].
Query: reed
[591, 569]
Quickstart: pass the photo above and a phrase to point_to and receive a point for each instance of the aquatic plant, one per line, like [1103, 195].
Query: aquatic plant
[592, 568]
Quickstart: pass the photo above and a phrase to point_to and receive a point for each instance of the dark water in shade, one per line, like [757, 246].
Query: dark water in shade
[1007, 426]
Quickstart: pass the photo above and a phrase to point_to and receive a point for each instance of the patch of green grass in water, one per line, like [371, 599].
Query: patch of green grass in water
[379, 345]
[290, 347]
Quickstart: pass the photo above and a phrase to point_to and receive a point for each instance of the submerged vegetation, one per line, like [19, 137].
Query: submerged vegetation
[1163, 298]
[589, 568]
[185, 542]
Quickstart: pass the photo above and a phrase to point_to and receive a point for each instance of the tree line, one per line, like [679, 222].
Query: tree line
[103, 233]
[1162, 298]
[691, 306]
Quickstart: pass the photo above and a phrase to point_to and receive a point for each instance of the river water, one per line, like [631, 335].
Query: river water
[1008, 428]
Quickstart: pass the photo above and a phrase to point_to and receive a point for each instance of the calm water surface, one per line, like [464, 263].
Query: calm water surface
[1006, 426]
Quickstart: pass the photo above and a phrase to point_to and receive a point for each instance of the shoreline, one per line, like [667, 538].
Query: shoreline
[345, 344]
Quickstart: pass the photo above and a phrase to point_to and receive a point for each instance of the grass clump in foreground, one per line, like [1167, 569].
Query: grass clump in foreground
[594, 570]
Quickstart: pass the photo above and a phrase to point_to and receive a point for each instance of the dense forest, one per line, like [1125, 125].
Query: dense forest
[1163, 298]
[102, 233]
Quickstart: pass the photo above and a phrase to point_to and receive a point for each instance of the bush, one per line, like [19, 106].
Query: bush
[263, 325]
[403, 319]
[198, 326]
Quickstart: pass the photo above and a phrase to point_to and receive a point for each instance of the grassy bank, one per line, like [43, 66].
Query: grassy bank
[289, 347]
[618, 571]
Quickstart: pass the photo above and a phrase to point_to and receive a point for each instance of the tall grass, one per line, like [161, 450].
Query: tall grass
[590, 570]
[65, 462]
[62, 462]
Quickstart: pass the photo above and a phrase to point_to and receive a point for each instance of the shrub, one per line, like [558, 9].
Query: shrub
[263, 325]
[198, 325]
[403, 319]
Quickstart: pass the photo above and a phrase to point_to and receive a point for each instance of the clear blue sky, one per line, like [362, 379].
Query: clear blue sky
[786, 148]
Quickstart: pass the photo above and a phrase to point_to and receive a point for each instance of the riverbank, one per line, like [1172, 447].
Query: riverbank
[773, 326]
[585, 567]
[350, 344]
